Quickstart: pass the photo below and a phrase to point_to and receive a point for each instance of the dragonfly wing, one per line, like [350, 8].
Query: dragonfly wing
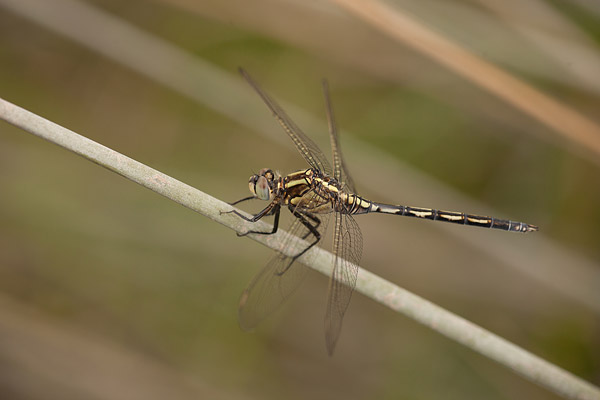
[272, 285]
[309, 150]
[339, 167]
[278, 279]
[347, 243]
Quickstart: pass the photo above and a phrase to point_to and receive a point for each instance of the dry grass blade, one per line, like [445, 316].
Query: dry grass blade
[573, 126]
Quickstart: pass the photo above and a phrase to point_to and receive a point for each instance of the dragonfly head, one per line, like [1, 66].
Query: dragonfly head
[262, 185]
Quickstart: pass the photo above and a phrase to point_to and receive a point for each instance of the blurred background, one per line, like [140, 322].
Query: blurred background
[110, 291]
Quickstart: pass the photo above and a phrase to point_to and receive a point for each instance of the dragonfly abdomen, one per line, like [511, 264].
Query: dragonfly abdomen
[454, 217]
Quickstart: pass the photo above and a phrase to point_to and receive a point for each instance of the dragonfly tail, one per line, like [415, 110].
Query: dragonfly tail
[454, 217]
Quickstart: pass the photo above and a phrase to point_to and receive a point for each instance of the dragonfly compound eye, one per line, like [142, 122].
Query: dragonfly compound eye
[252, 184]
[262, 189]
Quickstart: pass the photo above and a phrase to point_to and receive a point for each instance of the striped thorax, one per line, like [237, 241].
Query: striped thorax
[307, 190]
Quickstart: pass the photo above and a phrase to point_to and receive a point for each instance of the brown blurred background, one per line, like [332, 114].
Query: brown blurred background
[109, 291]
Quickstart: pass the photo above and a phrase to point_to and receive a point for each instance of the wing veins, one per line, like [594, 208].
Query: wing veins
[307, 148]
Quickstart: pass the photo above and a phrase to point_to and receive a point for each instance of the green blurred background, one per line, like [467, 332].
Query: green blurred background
[108, 290]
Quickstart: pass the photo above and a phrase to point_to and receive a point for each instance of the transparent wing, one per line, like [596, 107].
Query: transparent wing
[277, 281]
[347, 243]
[309, 150]
[340, 173]
[272, 286]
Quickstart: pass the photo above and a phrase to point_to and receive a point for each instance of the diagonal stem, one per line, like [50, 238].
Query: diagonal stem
[400, 300]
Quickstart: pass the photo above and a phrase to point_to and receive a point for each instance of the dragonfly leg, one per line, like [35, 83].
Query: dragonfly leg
[276, 210]
[268, 210]
[312, 229]
[272, 208]
[242, 200]
[315, 219]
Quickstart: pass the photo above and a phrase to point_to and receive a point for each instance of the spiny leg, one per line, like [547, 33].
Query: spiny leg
[315, 219]
[242, 200]
[265, 211]
[277, 212]
[273, 208]
[312, 229]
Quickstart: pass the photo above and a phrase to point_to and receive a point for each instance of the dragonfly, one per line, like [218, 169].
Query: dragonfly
[312, 195]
